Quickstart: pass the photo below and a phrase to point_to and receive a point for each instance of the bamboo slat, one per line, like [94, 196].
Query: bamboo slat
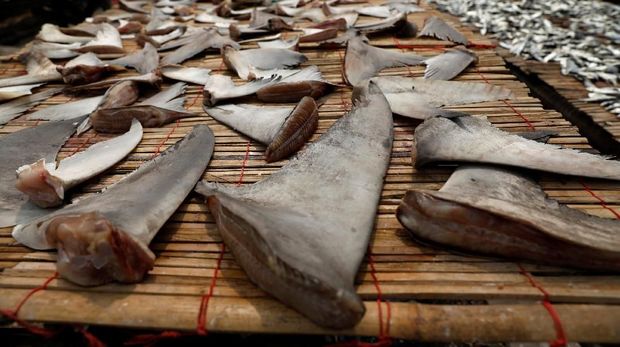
[433, 294]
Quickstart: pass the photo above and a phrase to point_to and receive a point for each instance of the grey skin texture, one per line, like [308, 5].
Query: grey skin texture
[43, 141]
[436, 27]
[363, 61]
[420, 99]
[471, 139]
[14, 108]
[304, 246]
[40, 70]
[209, 39]
[144, 61]
[246, 61]
[258, 122]
[496, 211]
[450, 64]
[128, 213]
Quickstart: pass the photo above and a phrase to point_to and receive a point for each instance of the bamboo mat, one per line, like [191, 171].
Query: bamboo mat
[410, 290]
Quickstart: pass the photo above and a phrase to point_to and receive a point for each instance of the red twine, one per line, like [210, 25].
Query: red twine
[158, 150]
[557, 322]
[201, 327]
[527, 121]
[384, 339]
[245, 161]
[560, 339]
[194, 101]
[402, 48]
[13, 314]
[92, 340]
[82, 144]
[602, 202]
[152, 339]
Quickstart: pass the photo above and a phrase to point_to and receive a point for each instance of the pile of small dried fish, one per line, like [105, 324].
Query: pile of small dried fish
[582, 35]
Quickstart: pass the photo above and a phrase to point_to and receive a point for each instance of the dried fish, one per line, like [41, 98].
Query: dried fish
[496, 211]
[338, 10]
[363, 61]
[152, 79]
[479, 141]
[159, 109]
[129, 27]
[316, 35]
[133, 5]
[108, 40]
[420, 99]
[220, 87]
[40, 70]
[436, 27]
[54, 50]
[144, 61]
[341, 40]
[158, 40]
[42, 141]
[195, 75]
[9, 93]
[316, 15]
[262, 38]
[243, 31]
[396, 23]
[86, 68]
[580, 35]
[69, 110]
[246, 62]
[375, 11]
[283, 129]
[279, 43]
[82, 29]
[205, 17]
[448, 65]
[120, 94]
[46, 185]
[209, 39]
[181, 41]
[52, 33]
[306, 82]
[339, 24]
[270, 22]
[14, 108]
[304, 246]
[104, 237]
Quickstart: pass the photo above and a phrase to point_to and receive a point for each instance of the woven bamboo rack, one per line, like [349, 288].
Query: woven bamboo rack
[426, 294]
